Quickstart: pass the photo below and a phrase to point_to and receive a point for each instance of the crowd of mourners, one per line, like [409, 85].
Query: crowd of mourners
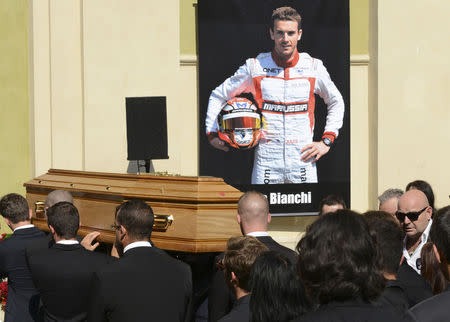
[390, 264]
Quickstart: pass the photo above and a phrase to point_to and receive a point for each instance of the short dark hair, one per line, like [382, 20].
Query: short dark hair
[137, 217]
[425, 187]
[239, 257]
[388, 234]
[273, 274]
[64, 218]
[14, 207]
[286, 13]
[331, 200]
[338, 260]
[440, 232]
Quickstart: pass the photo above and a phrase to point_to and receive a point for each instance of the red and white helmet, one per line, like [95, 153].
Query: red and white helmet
[240, 123]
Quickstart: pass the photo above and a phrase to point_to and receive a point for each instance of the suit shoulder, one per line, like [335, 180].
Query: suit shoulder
[175, 262]
[436, 306]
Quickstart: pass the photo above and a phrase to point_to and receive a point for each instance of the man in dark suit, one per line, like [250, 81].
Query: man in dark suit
[63, 273]
[239, 257]
[253, 217]
[435, 309]
[145, 284]
[23, 298]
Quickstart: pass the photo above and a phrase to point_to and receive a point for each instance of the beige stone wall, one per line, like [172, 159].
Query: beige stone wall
[14, 116]
[412, 82]
[87, 57]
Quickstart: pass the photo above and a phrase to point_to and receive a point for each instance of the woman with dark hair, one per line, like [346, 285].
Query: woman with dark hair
[276, 292]
[430, 269]
[339, 268]
[425, 187]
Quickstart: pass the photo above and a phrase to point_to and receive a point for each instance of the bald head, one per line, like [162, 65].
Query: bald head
[253, 212]
[58, 196]
[413, 198]
[414, 201]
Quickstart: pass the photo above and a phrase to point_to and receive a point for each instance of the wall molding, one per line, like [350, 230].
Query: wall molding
[359, 60]
[355, 60]
[188, 60]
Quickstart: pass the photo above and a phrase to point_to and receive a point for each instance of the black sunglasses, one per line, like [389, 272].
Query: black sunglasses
[413, 215]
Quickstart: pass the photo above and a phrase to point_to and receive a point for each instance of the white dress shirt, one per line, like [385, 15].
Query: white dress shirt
[414, 259]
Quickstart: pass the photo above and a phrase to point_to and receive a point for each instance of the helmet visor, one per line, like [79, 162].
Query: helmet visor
[241, 121]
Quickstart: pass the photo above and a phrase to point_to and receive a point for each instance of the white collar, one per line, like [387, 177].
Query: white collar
[68, 242]
[258, 234]
[137, 244]
[24, 227]
[426, 232]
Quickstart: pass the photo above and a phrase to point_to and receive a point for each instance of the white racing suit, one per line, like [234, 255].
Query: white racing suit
[284, 93]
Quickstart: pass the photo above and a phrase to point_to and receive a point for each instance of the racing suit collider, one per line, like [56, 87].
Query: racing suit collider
[284, 92]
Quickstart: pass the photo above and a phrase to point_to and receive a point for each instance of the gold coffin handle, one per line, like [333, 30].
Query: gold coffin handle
[162, 222]
[39, 209]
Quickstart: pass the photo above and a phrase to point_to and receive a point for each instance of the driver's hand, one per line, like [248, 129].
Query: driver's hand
[219, 144]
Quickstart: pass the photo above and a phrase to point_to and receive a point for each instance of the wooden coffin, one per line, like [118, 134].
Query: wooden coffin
[203, 208]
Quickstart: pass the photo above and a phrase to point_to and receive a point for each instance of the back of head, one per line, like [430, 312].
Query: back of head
[337, 259]
[286, 13]
[331, 200]
[137, 218]
[14, 207]
[273, 274]
[64, 219]
[440, 233]
[239, 257]
[58, 196]
[388, 200]
[425, 187]
[388, 234]
[253, 209]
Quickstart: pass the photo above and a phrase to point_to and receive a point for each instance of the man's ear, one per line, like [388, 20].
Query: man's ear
[299, 34]
[234, 279]
[436, 253]
[30, 214]
[238, 218]
[122, 232]
[429, 212]
[269, 218]
[52, 230]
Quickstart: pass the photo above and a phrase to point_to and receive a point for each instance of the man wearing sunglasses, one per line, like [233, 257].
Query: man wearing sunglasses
[414, 214]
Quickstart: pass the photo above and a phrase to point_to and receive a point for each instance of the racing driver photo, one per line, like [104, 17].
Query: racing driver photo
[268, 106]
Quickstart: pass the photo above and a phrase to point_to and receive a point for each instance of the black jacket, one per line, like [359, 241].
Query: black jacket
[240, 311]
[23, 299]
[144, 284]
[63, 275]
[433, 309]
[394, 295]
[416, 287]
[354, 311]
